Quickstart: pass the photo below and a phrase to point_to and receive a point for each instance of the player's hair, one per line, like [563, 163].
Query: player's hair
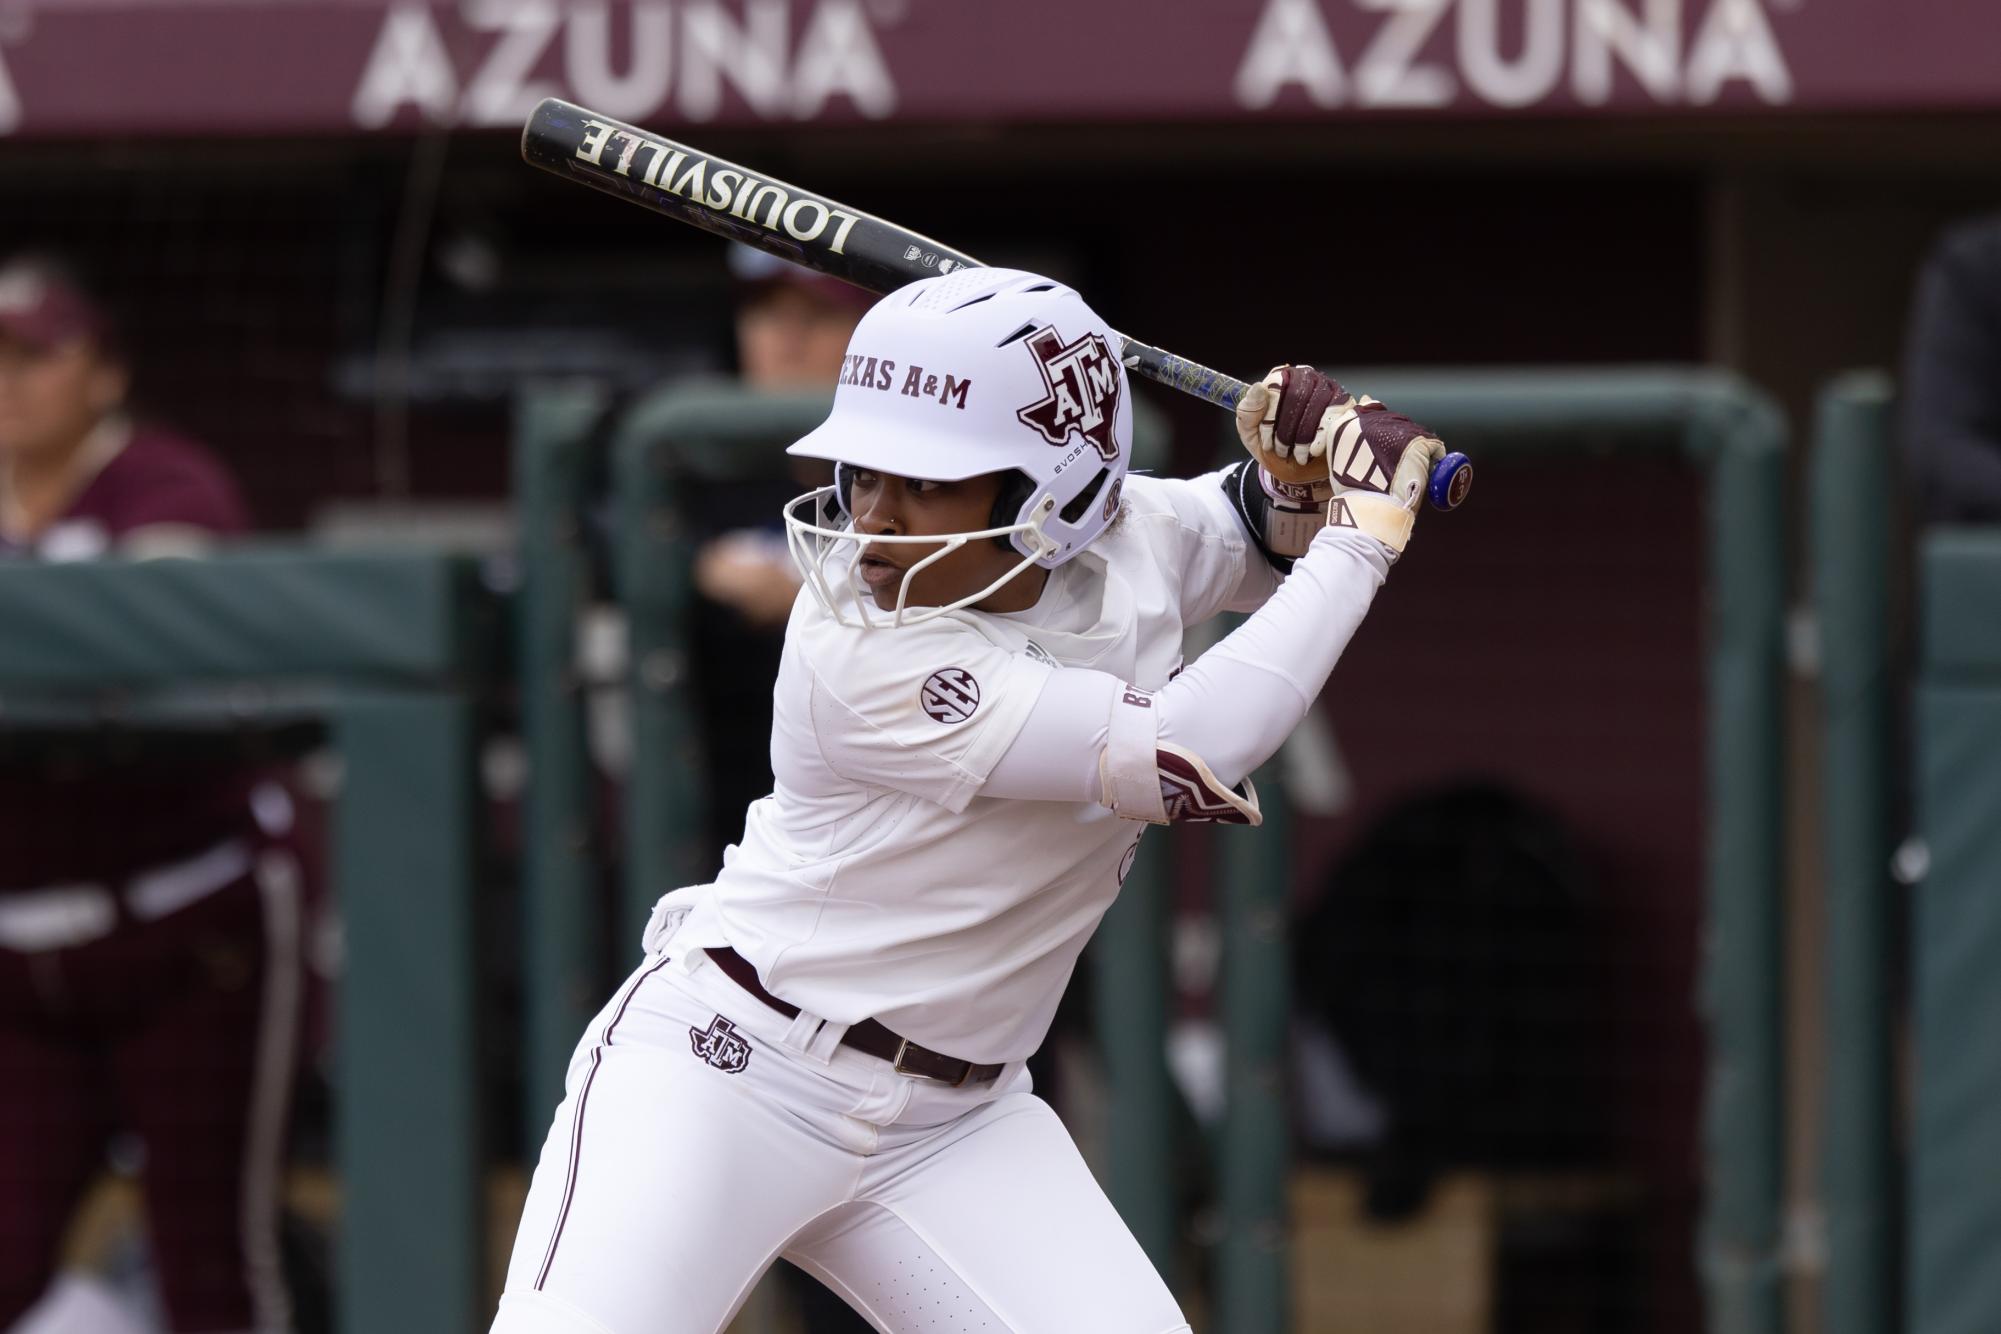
[1015, 489]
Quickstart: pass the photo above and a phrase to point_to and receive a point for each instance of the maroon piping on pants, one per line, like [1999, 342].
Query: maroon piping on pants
[577, 1126]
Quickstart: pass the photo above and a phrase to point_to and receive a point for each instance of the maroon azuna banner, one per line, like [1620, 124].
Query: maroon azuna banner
[83, 67]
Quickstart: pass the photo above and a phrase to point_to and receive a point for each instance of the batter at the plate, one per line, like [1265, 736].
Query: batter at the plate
[981, 705]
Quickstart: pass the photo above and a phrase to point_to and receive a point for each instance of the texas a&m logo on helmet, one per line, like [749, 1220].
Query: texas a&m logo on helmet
[1083, 383]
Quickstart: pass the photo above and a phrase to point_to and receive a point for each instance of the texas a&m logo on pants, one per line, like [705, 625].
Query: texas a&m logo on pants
[950, 696]
[1083, 382]
[721, 1046]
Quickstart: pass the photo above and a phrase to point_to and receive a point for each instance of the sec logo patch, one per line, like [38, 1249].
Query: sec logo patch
[950, 696]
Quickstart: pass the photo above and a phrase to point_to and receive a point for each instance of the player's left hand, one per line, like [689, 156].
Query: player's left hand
[1324, 445]
[1287, 421]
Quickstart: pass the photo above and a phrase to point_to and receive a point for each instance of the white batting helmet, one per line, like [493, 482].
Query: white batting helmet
[969, 373]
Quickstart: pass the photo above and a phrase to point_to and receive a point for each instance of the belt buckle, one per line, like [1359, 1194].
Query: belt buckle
[903, 1045]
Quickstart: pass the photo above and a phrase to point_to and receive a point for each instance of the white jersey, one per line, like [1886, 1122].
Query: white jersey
[875, 881]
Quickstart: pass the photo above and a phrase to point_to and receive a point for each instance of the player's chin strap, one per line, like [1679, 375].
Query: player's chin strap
[1145, 778]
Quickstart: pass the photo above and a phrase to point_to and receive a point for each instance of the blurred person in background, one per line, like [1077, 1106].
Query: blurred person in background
[792, 324]
[792, 328]
[1952, 379]
[148, 915]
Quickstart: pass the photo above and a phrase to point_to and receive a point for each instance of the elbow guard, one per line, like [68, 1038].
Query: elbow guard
[1145, 778]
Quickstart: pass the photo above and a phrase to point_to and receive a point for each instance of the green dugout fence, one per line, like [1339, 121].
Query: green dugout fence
[1953, 1283]
[1910, 1186]
[391, 654]
[1852, 512]
[561, 932]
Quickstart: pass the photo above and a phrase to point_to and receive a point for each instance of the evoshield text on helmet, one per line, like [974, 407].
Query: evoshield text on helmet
[974, 372]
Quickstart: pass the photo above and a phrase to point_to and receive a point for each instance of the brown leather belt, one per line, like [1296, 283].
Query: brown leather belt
[868, 1036]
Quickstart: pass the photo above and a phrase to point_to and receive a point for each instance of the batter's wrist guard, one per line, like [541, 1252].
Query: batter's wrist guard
[1243, 486]
[1294, 513]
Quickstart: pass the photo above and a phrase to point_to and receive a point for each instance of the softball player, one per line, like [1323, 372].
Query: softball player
[980, 706]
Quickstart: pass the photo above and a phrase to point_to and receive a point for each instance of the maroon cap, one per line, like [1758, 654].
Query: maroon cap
[39, 305]
[755, 270]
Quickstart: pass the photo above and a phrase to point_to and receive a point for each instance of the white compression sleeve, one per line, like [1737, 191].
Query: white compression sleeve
[1234, 706]
[1055, 755]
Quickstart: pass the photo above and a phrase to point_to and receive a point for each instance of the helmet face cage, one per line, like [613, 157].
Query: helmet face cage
[815, 538]
[973, 373]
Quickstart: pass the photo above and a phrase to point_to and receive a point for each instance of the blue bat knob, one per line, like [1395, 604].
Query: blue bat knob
[1450, 481]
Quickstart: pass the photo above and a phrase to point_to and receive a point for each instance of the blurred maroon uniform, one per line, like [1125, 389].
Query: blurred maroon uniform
[148, 964]
[60, 827]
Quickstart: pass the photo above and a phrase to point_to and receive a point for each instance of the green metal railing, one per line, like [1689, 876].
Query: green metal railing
[1254, 903]
[1851, 527]
[560, 927]
[1130, 959]
[1953, 1285]
[392, 651]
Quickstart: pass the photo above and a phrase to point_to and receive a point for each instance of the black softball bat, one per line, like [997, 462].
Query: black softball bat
[814, 231]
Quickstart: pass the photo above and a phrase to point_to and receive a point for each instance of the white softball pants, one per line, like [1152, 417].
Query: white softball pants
[704, 1136]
